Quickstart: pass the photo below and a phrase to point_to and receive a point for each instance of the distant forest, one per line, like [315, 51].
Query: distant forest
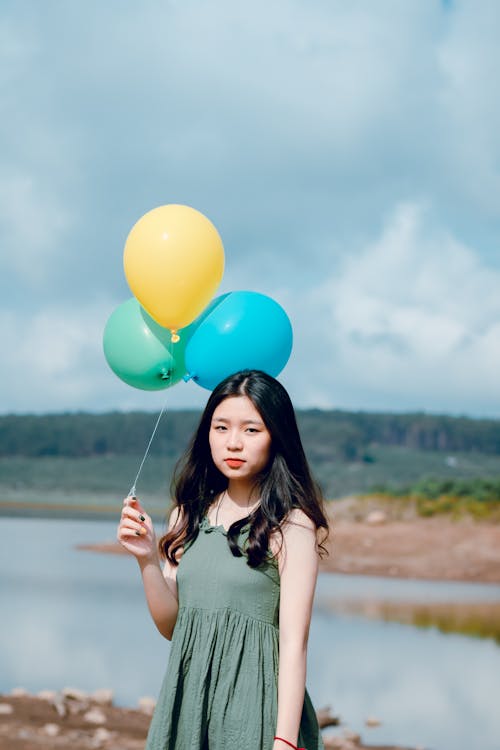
[337, 435]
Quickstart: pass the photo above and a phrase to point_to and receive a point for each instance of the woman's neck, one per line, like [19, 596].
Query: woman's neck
[242, 493]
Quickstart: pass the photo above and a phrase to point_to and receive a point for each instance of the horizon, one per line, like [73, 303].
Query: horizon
[298, 410]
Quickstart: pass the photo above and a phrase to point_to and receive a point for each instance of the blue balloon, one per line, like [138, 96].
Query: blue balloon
[238, 331]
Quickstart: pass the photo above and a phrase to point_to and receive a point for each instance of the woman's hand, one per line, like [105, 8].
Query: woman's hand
[136, 532]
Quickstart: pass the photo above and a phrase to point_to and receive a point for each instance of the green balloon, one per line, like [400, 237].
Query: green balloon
[140, 351]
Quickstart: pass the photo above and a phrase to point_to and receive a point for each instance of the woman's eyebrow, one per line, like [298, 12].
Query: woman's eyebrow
[244, 421]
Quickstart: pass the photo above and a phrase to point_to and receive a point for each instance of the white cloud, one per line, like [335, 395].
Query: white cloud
[294, 127]
[51, 358]
[33, 225]
[53, 361]
[411, 321]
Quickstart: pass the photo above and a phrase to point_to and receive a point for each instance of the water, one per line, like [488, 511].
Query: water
[75, 618]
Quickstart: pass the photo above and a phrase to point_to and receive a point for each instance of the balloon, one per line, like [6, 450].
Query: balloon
[241, 330]
[140, 351]
[173, 261]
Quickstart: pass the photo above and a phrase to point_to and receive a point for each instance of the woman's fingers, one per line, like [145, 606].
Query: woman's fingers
[132, 522]
[135, 515]
[135, 524]
[133, 502]
[126, 531]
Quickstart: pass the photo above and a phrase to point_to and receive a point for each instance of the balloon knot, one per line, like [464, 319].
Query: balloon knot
[174, 338]
[165, 374]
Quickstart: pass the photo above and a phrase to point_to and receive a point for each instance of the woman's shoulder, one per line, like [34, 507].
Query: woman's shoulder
[298, 532]
[176, 517]
[174, 522]
[296, 517]
[296, 521]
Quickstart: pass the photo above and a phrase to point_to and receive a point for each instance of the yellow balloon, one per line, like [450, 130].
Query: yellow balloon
[174, 261]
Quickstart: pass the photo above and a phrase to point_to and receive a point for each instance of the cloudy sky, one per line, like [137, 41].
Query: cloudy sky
[347, 152]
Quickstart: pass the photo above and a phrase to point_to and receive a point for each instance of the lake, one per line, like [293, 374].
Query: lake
[76, 618]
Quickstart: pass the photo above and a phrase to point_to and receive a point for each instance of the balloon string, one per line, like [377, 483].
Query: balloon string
[133, 489]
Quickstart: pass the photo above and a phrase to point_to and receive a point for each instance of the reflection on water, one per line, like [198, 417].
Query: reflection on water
[77, 618]
[480, 620]
[452, 607]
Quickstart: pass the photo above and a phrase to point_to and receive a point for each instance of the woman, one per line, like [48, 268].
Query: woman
[236, 591]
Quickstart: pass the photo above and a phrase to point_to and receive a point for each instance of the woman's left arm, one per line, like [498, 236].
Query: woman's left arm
[299, 572]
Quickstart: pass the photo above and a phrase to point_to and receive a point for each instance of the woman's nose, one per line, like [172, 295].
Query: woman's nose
[234, 440]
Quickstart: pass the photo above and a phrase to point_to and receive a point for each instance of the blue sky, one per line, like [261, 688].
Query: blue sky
[348, 153]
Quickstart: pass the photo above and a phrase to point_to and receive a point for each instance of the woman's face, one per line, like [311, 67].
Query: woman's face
[239, 440]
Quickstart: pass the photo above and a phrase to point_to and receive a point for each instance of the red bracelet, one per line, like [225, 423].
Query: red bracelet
[289, 743]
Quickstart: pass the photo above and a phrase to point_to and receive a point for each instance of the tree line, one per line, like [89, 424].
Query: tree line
[335, 434]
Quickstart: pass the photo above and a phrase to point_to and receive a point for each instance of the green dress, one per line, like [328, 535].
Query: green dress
[220, 691]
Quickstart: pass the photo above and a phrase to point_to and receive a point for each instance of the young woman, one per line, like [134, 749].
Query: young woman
[236, 590]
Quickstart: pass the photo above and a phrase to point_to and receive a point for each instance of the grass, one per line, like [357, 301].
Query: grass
[105, 480]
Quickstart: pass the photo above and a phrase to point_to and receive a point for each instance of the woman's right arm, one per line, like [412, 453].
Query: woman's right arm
[136, 534]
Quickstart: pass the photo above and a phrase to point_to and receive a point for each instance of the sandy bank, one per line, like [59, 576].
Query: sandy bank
[427, 548]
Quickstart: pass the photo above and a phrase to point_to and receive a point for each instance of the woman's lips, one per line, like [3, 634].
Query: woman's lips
[234, 463]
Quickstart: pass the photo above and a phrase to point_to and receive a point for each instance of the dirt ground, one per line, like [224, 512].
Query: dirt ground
[433, 549]
[71, 720]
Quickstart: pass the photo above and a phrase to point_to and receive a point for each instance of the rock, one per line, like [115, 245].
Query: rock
[351, 736]
[103, 696]
[59, 705]
[95, 716]
[51, 730]
[6, 709]
[334, 743]
[102, 735]
[77, 707]
[74, 694]
[147, 705]
[376, 517]
[74, 700]
[372, 721]
[339, 743]
[47, 695]
[326, 718]
[19, 692]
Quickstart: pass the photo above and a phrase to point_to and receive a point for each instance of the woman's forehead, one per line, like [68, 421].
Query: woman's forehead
[237, 408]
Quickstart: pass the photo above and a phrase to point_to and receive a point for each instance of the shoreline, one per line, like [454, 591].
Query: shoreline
[366, 538]
[433, 549]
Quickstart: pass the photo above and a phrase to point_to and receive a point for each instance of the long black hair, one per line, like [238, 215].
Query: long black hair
[286, 482]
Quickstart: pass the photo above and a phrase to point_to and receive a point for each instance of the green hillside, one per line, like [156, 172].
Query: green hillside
[88, 459]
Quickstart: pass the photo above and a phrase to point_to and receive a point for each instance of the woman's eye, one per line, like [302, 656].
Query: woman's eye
[219, 428]
[251, 429]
